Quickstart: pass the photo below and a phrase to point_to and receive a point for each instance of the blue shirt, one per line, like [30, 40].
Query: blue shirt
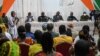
[30, 34]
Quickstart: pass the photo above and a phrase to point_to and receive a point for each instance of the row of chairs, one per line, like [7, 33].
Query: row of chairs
[62, 48]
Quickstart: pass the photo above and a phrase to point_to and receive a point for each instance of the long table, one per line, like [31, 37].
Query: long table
[77, 25]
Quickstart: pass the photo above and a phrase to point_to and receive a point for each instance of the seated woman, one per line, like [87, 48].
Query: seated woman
[47, 46]
[21, 34]
[7, 47]
[24, 47]
[37, 46]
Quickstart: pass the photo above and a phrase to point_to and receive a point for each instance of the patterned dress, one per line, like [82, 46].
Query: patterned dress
[9, 48]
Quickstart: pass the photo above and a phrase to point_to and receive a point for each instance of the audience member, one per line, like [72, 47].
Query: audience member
[36, 48]
[28, 31]
[81, 48]
[62, 38]
[44, 27]
[21, 34]
[7, 34]
[62, 30]
[50, 29]
[57, 17]
[7, 47]
[84, 17]
[29, 18]
[43, 18]
[86, 27]
[85, 33]
[71, 17]
[47, 46]
[22, 44]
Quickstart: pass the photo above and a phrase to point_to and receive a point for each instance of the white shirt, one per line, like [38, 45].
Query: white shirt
[12, 28]
[8, 35]
[76, 39]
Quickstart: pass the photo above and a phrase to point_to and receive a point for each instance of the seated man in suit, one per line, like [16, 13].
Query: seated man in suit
[71, 17]
[57, 17]
[43, 18]
[29, 18]
[84, 17]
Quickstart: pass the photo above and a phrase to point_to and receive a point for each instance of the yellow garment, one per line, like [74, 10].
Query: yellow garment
[9, 48]
[62, 38]
[34, 49]
[3, 27]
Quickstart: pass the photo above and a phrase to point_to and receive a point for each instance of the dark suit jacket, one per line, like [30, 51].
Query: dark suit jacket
[71, 18]
[43, 19]
[57, 18]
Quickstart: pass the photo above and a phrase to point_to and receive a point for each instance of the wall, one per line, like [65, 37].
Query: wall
[22, 7]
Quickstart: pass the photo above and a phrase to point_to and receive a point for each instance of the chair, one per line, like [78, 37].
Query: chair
[63, 48]
[39, 53]
[24, 49]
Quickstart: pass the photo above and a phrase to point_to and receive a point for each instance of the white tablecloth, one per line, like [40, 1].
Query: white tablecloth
[77, 25]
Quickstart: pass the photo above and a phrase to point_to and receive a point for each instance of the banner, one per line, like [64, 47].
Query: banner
[96, 4]
[88, 4]
[6, 6]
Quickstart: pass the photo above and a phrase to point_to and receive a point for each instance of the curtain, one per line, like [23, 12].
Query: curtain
[6, 5]
[22, 7]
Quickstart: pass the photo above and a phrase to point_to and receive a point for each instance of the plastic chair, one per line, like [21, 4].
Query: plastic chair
[24, 49]
[63, 48]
